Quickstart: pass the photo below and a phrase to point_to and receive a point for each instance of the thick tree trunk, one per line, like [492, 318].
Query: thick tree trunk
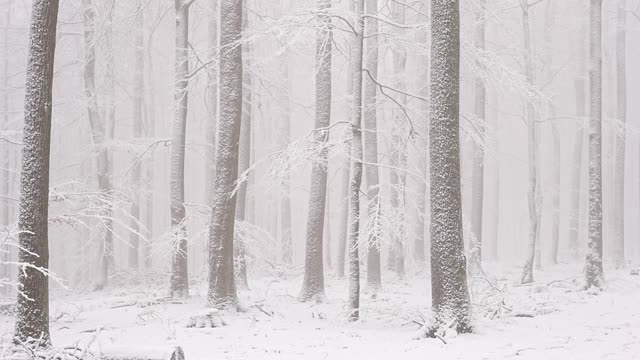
[179, 280]
[621, 110]
[477, 187]
[449, 293]
[533, 192]
[32, 317]
[222, 287]
[374, 281]
[313, 284]
[356, 165]
[593, 267]
[212, 106]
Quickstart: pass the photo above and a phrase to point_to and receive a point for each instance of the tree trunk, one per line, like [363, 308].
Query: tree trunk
[533, 193]
[356, 164]
[399, 136]
[222, 288]
[5, 153]
[32, 317]
[593, 267]
[449, 293]
[313, 285]
[179, 280]
[374, 282]
[621, 75]
[326, 250]
[138, 106]
[212, 106]
[477, 187]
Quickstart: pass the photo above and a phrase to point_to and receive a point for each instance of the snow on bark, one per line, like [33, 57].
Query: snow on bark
[372, 176]
[222, 287]
[593, 267]
[5, 152]
[179, 279]
[533, 191]
[313, 283]
[32, 311]
[621, 112]
[479, 108]
[449, 290]
[212, 105]
[356, 164]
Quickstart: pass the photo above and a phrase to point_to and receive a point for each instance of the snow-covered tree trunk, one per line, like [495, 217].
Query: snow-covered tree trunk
[399, 136]
[5, 153]
[355, 180]
[244, 159]
[285, 137]
[138, 107]
[372, 176]
[99, 130]
[313, 284]
[477, 183]
[222, 287]
[212, 105]
[578, 147]
[149, 131]
[32, 311]
[555, 133]
[621, 114]
[179, 279]
[449, 292]
[327, 233]
[533, 191]
[593, 267]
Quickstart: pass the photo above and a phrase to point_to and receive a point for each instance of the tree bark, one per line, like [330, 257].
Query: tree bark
[32, 317]
[179, 280]
[222, 288]
[356, 164]
[374, 281]
[593, 267]
[212, 105]
[5, 153]
[449, 293]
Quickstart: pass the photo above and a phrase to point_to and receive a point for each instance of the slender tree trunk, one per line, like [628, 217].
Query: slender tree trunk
[356, 164]
[5, 153]
[449, 293]
[374, 281]
[313, 285]
[138, 107]
[593, 268]
[101, 130]
[212, 105]
[477, 187]
[399, 137]
[32, 312]
[327, 234]
[179, 280]
[534, 198]
[150, 121]
[244, 160]
[222, 287]
[621, 82]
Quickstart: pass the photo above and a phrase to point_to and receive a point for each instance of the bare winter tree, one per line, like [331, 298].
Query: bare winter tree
[356, 164]
[372, 176]
[32, 317]
[179, 280]
[449, 293]
[533, 192]
[593, 268]
[313, 284]
[621, 109]
[222, 287]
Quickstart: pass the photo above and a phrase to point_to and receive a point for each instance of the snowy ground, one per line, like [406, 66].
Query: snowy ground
[567, 323]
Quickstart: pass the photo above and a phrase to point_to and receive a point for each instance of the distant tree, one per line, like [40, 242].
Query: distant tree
[621, 110]
[593, 267]
[313, 283]
[222, 287]
[179, 280]
[449, 292]
[32, 312]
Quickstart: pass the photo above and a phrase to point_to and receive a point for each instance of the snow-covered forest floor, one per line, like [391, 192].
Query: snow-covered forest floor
[549, 319]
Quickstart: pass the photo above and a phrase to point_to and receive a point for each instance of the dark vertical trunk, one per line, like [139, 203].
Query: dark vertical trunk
[449, 291]
[32, 317]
